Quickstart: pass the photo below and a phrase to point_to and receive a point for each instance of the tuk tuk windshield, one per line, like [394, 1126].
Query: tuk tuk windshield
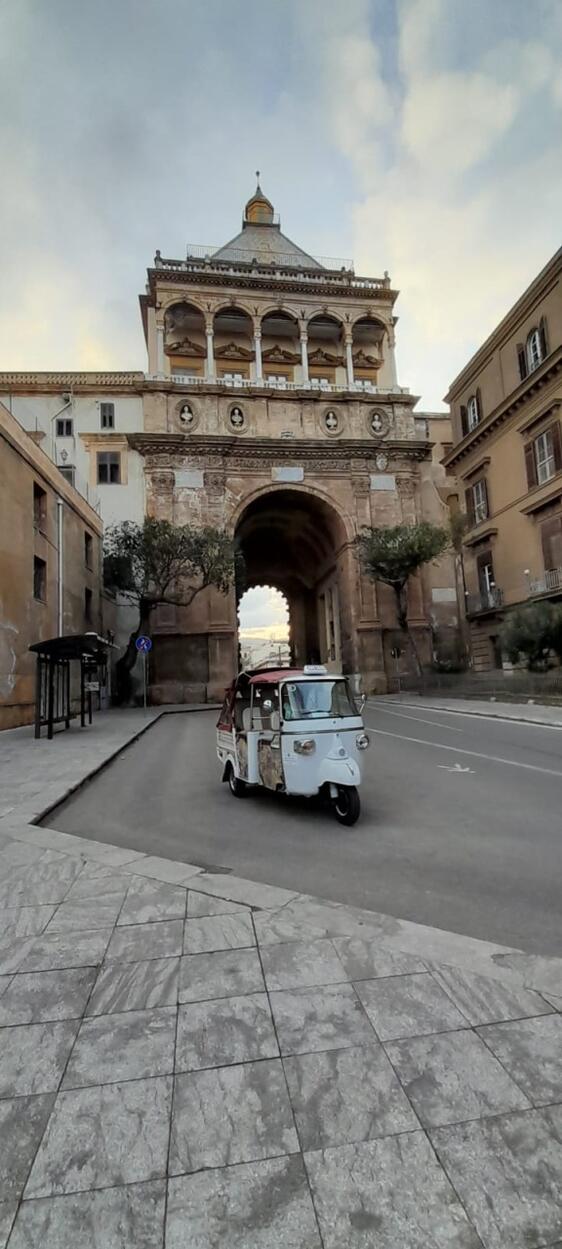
[316, 700]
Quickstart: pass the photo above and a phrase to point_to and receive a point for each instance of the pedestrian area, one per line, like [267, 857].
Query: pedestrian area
[197, 1061]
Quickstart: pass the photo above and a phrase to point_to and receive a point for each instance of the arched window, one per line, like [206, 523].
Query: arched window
[472, 411]
[534, 349]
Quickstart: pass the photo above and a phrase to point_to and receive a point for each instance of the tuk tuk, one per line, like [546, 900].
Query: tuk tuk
[293, 731]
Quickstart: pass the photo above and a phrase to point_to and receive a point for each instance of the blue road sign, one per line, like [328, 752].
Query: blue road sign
[143, 643]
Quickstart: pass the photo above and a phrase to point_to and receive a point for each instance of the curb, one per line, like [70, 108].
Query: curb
[457, 711]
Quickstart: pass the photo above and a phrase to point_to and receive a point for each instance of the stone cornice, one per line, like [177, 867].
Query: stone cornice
[332, 286]
[277, 450]
[516, 400]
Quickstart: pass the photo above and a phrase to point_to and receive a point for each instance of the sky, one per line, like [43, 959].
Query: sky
[422, 137]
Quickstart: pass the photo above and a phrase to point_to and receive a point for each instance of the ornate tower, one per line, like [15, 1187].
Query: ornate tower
[271, 406]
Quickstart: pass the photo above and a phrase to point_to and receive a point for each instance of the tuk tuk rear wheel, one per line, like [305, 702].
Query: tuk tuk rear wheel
[235, 785]
[347, 805]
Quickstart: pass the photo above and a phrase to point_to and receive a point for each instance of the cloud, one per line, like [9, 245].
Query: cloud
[423, 135]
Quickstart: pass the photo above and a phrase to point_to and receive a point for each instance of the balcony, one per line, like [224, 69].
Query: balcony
[551, 580]
[485, 600]
[255, 383]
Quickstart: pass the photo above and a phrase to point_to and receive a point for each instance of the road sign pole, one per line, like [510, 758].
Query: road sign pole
[144, 676]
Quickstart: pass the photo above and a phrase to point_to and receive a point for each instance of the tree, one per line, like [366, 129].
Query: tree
[532, 631]
[393, 554]
[157, 562]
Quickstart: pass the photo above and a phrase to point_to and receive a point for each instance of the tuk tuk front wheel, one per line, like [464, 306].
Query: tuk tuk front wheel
[347, 804]
[235, 785]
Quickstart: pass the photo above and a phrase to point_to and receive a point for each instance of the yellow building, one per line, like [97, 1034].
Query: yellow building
[50, 564]
[507, 458]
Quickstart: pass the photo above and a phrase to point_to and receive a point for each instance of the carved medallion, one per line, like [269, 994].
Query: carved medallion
[378, 424]
[187, 418]
[381, 462]
[331, 422]
[236, 420]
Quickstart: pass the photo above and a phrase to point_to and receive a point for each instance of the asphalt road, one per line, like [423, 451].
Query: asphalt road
[461, 825]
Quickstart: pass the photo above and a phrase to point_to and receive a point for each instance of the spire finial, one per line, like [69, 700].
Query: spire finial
[258, 174]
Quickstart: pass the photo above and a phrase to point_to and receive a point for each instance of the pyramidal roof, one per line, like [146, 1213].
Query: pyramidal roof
[260, 239]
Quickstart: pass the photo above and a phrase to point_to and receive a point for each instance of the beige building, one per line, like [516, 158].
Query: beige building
[272, 407]
[507, 457]
[50, 564]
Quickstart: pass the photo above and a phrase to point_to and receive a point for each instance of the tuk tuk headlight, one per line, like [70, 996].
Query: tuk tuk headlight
[305, 747]
[362, 741]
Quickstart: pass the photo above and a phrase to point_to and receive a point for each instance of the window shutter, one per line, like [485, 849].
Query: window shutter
[486, 496]
[464, 420]
[543, 337]
[556, 445]
[478, 394]
[522, 358]
[550, 539]
[469, 500]
[530, 465]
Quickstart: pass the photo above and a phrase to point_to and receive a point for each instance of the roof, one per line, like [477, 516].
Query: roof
[267, 245]
[72, 646]
[272, 676]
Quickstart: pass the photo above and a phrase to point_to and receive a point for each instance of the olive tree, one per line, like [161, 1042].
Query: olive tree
[156, 562]
[393, 554]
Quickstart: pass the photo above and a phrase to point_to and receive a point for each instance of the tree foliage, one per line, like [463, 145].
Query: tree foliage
[394, 553]
[157, 562]
[532, 632]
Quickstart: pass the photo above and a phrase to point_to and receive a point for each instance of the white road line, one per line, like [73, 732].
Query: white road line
[530, 767]
[402, 714]
[475, 715]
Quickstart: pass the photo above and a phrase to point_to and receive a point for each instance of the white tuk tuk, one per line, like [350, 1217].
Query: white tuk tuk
[294, 731]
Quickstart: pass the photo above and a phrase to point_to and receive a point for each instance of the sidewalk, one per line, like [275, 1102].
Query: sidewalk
[528, 713]
[231, 1065]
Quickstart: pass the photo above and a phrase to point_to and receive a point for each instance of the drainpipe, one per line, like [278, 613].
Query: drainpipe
[60, 568]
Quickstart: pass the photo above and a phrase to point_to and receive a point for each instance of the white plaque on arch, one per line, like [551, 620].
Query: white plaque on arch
[189, 478]
[383, 481]
[287, 473]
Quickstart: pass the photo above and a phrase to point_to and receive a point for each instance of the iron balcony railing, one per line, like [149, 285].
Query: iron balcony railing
[485, 600]
[550, 580]
[245, 255]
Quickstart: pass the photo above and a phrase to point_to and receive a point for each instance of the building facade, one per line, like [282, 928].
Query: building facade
[50, 564]
[272, 407]
[507, 458]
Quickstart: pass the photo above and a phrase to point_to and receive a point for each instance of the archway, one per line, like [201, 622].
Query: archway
[296, 542]
[263, 627]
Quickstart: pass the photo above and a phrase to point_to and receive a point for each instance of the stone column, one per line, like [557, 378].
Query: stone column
[349, 359]
[210, 367]
[391, 341]
[257, 350]
[304, 354]
[160, 350]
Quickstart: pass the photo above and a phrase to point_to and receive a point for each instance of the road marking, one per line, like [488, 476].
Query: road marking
[456, 768]
[458, 750]
[479, 715]
[434, 723]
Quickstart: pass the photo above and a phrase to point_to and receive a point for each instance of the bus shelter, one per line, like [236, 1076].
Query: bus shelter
[53, 677]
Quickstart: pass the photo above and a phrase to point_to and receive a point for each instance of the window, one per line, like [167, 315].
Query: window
[88, 599]
[109, 468]
[107, 415]
[486, 580]
[88, 550]
[543, 456]
[534, 351]
[477, 502]
[39, 507]
[39, 579]
[472, 412]
[280, 379]
[67, 471]
[64, 427]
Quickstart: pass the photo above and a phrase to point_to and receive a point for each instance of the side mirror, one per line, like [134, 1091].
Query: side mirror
[362, 701]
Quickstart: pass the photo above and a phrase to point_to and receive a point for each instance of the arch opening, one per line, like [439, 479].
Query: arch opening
[263, 627]
[368, 349]
[280, 346]
[233, 343]
[184, 338]
[296, 543]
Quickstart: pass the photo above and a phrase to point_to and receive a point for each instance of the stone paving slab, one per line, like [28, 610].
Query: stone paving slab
[229, 1065]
